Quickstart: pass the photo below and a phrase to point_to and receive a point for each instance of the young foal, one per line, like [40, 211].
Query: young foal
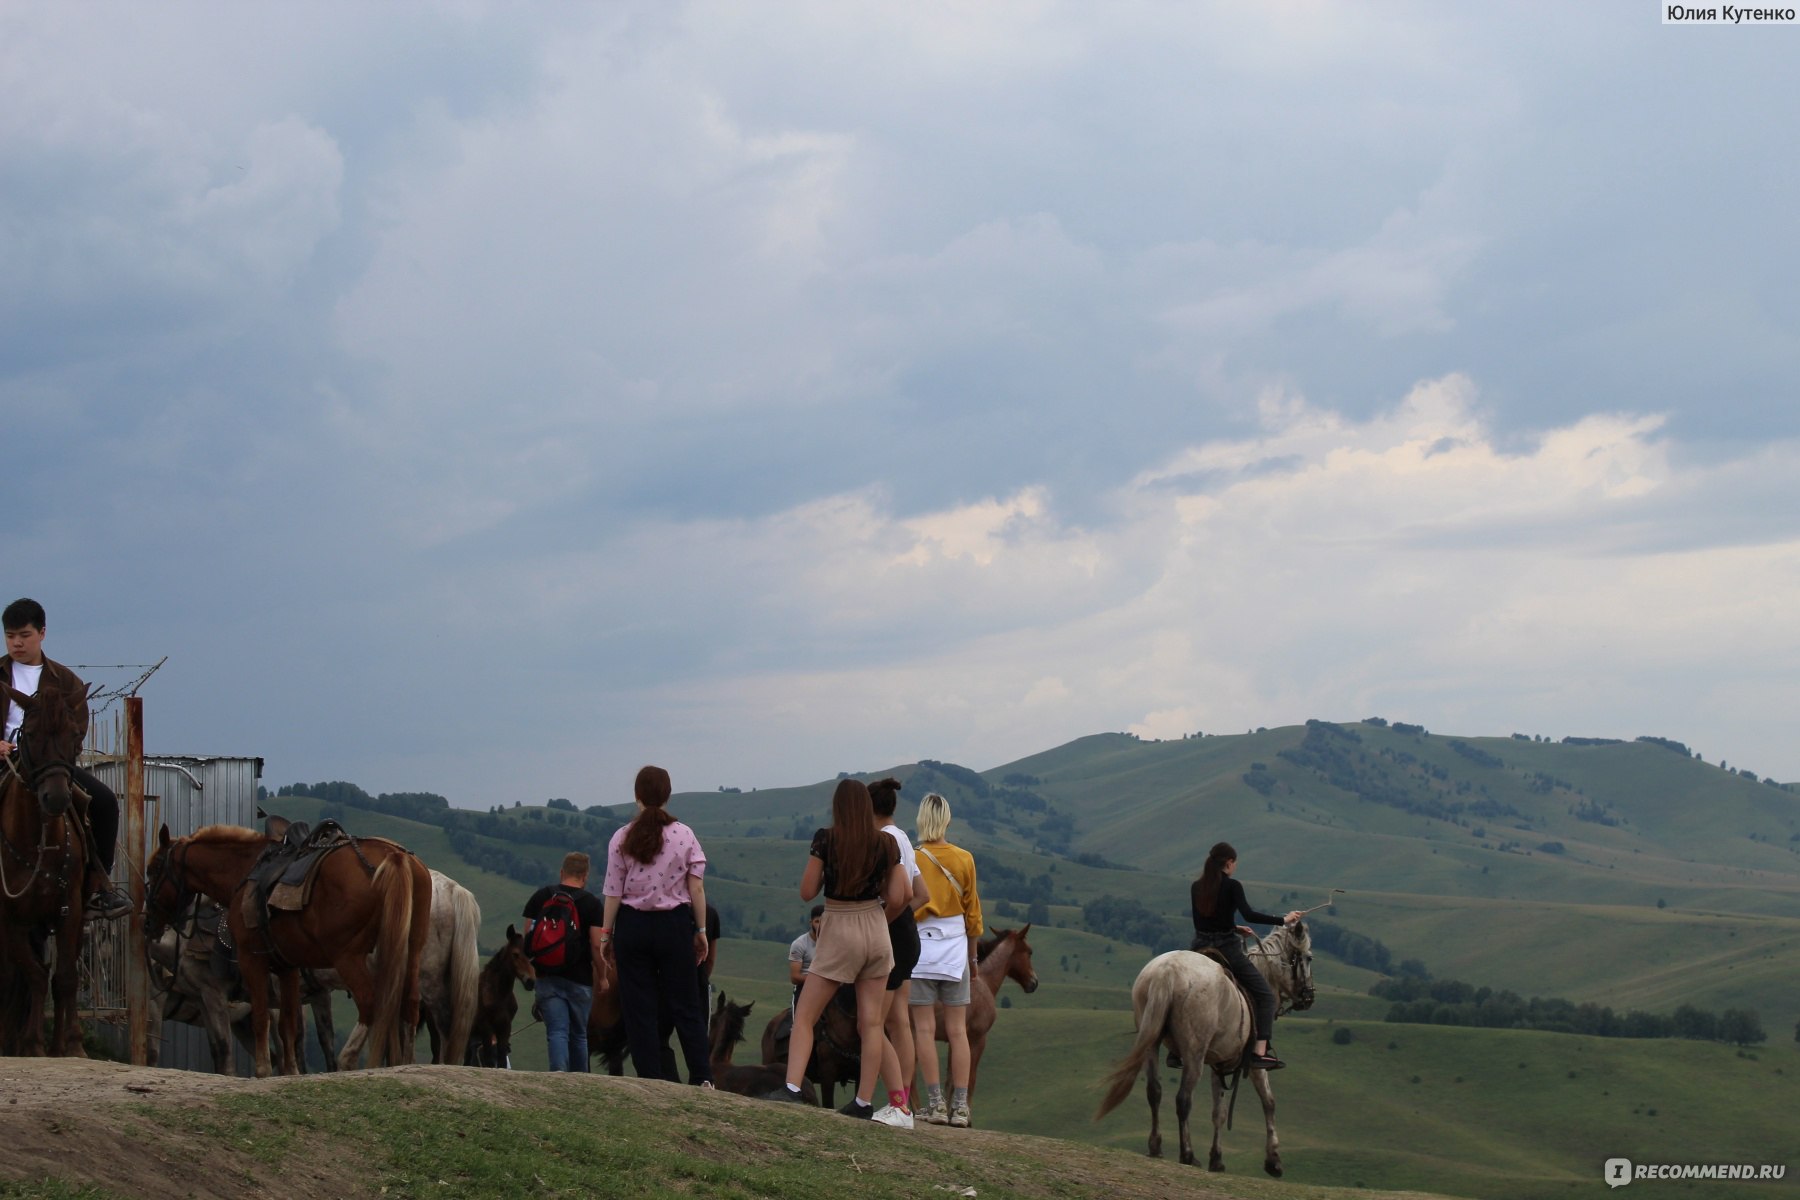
[728, 1021]
[490, 1037]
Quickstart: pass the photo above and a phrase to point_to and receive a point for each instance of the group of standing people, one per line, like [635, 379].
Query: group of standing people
[895, 919]
[889, 923]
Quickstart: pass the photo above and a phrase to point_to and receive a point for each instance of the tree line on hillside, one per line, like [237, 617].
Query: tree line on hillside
[1338, 758]
[487, 840]
[1421, 1001]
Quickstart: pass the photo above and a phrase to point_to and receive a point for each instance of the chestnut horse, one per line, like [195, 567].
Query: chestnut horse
[43, 870]
[1003, 955]
[490, 1035]
[449, 970]
[370, 897]
[195, 980]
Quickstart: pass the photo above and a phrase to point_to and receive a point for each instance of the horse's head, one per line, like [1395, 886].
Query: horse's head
[1018, 951]
[1294, 965]
[49, 742]
[166, 890]
[727, 1027]
[516, 960]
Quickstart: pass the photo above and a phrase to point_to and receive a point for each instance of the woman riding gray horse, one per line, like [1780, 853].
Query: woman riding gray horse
[1218, 899]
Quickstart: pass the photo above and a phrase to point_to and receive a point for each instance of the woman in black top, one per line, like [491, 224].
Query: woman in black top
[1218, 900]
[865, 884]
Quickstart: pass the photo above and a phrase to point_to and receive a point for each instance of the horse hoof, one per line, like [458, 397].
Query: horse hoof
[1273, 1168]
[1187, 1160]
[1215, 1163]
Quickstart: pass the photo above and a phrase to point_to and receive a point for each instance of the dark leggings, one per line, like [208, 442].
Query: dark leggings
[1262, 996]
[103, 815]
[655, 956]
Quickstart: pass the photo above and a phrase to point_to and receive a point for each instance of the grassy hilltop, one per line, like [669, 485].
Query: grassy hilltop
[1631, 875]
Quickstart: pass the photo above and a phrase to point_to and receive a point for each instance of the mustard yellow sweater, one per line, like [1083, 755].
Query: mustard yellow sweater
[944, 901]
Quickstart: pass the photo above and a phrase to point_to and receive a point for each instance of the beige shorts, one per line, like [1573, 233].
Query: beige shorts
[853, 942]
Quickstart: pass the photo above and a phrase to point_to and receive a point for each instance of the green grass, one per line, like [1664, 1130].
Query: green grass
[443, 1133]
[1476, 1123]
[52, 1189]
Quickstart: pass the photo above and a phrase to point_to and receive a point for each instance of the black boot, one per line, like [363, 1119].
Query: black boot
[106, 904]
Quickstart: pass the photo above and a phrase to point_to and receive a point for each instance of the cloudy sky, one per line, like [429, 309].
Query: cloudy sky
[491, 398]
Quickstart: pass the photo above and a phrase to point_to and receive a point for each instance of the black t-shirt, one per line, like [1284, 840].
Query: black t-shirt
[1230, 901]
[850, 889]
[578, 964]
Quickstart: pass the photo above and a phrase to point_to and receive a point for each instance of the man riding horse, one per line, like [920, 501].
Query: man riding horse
[26, 671]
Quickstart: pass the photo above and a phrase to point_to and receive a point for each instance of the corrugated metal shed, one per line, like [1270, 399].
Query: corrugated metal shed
[184, 792]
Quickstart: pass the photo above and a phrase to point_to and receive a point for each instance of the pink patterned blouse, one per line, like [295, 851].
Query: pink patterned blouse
[659, 885]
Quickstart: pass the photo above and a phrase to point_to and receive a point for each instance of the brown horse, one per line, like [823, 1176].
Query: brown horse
[448, 973]
[195, 980]
[490, 1037]
[837, 1046]
[370, 897]
[1002, 956]
[727, 1030]
[43, 869]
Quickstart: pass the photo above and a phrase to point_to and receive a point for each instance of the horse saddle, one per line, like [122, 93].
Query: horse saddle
[282, 879]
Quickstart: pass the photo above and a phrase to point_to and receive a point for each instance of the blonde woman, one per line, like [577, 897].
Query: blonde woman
[949, 924]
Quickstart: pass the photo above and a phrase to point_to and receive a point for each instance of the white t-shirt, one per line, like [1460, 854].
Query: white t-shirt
[907, 854]
[24, 681]
[803, 950]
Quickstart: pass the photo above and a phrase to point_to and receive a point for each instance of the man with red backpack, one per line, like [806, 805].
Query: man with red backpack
[563, 943]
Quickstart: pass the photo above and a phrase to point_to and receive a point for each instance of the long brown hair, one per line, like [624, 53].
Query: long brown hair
[1212, 876]
[644, 840]
[853, 846]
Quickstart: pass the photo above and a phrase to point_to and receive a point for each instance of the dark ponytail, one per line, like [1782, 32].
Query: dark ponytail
[644, 840]
[1212, 876]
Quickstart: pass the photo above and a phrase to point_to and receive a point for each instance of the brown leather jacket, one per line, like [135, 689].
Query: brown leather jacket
[57, 680]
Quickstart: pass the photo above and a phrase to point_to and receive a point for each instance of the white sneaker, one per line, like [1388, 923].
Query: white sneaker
[899, 1118]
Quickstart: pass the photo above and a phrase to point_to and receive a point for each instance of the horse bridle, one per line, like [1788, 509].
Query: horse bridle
[29, 780]
[173, 867]
[1290, 960]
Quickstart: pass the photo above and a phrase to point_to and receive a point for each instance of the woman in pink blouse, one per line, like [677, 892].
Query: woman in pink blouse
[655, 931]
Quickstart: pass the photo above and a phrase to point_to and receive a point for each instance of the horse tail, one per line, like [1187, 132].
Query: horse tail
[393, 886]
[1159, 997]
[462, 974]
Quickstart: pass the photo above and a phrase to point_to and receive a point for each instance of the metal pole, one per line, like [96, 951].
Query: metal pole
[137, 968]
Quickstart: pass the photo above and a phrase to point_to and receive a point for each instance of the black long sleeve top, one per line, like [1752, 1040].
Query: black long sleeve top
[1230, 903]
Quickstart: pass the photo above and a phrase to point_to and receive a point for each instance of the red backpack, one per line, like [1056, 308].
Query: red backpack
[556, 929]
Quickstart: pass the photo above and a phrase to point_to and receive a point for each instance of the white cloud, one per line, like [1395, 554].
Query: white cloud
[1407, 562]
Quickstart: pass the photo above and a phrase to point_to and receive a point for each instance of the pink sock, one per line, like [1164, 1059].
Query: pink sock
[899, 1100]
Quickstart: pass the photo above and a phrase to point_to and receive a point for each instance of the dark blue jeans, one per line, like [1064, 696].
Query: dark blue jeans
[565, 1005]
